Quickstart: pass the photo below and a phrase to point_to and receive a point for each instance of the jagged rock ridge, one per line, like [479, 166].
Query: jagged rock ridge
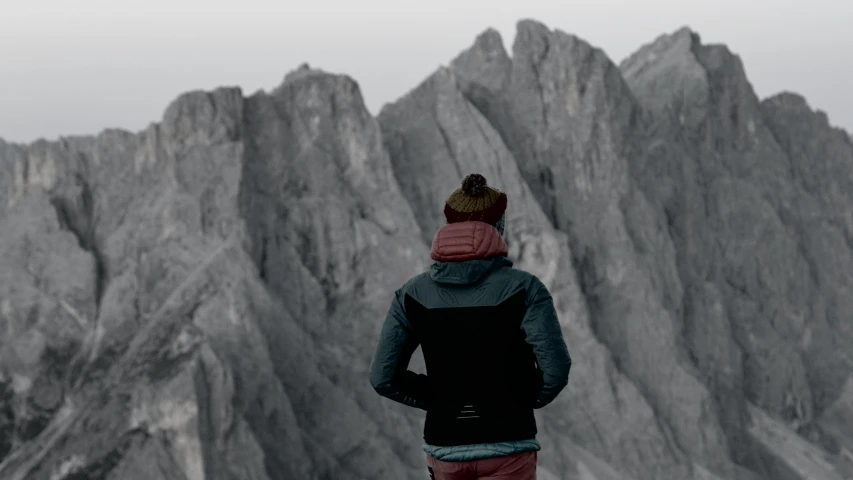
[199, 300]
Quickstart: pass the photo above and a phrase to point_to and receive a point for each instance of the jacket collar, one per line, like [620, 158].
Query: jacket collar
[468, 272]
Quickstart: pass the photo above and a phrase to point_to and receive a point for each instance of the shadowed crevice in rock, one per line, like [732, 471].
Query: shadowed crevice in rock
[81, 220]
[7, 420]
[264, 212]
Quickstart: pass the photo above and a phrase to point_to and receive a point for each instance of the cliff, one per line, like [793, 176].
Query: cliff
[201, 300]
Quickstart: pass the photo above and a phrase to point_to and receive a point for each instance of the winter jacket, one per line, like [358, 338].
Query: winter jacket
[491, 341]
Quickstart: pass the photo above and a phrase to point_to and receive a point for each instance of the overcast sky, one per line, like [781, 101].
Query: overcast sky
[78, 66]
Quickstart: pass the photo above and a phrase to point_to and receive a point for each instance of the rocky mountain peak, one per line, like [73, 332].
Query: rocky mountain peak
[491, 43]
[702, 88]
[529, 32]
[486, 63]
[201, 118]
[790, 100]
[669, 49]
[304, 69]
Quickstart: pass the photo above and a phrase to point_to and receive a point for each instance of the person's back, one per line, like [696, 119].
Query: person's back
[491, 342]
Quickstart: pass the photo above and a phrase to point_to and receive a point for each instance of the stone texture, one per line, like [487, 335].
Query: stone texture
[197, 348]
[200, 300]
[742, 182]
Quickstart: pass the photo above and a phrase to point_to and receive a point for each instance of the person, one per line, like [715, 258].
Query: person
[491, 341]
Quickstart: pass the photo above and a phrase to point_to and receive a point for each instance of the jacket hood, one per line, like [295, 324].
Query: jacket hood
[465, 252]
[458, 242]
[467, 272]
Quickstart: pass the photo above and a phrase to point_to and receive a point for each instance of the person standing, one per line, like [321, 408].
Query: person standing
[491, 341]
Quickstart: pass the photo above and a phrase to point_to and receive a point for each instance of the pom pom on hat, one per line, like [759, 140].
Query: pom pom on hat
[475, 201]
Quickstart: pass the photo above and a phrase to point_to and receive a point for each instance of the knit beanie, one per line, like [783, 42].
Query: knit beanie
[475, 201]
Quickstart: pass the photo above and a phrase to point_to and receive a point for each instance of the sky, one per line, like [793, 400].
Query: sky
[71, 67]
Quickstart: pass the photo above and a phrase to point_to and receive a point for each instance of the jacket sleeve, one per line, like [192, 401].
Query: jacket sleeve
[543, 332]
[389, 373]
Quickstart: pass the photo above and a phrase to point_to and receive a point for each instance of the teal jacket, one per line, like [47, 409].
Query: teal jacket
[478, 282]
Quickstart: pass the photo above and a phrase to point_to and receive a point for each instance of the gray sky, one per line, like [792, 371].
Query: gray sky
[78, 66]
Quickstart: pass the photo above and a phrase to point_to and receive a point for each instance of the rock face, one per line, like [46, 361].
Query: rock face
[200, 300]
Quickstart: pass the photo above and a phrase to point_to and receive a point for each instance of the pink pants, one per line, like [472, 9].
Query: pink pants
[521, 466]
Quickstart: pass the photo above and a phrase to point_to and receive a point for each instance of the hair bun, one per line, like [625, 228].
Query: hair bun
[474, 185]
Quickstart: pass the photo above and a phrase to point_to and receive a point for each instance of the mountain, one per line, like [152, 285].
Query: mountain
[200, 301]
